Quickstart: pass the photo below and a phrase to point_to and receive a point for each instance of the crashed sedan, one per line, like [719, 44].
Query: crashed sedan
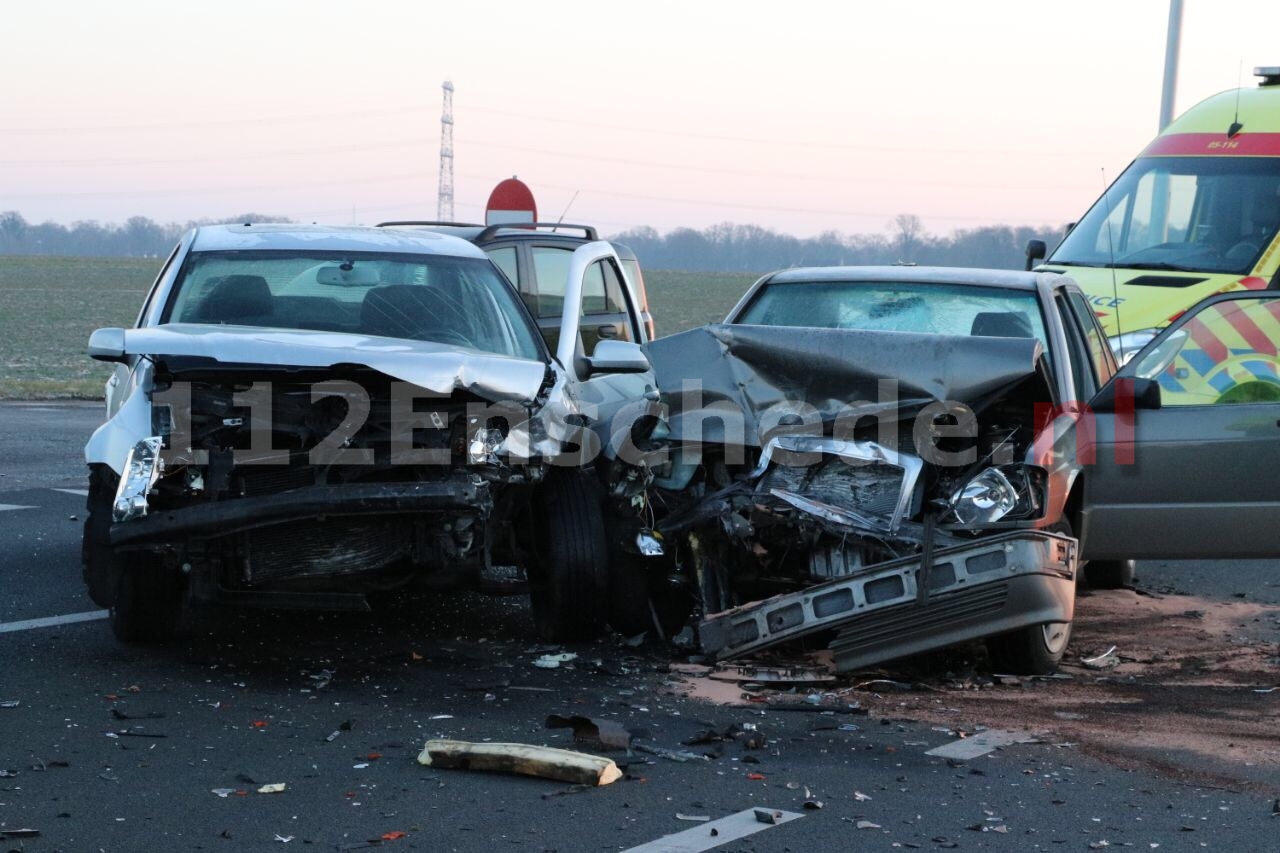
[304, 416]
[863, 454]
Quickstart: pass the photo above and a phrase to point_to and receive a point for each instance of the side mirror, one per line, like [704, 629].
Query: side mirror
[107, 344]
[1036, 250]
[618, 357]
[1128, 394]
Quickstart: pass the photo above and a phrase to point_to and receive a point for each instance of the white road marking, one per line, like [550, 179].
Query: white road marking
[707, 836]
[980, 744]
[7, 507]
[50, 621]
[84, 493]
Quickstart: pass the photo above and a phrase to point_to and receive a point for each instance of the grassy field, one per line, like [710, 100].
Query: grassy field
[49, 305]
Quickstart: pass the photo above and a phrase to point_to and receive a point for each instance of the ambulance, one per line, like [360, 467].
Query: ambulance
[1197, 213]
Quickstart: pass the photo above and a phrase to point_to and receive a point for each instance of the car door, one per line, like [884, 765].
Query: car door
[604, 312]
[602, 390]
[1187, 440]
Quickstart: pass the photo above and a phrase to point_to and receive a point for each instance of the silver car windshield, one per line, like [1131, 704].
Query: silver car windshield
[938, 309]
[448, 300]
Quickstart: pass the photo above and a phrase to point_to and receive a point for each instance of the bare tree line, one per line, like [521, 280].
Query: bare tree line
[727, 247]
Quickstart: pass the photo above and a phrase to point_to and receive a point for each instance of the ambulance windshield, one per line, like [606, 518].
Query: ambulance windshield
[1202, 214]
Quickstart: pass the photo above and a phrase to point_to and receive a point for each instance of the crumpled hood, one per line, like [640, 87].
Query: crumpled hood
[439, 368]
[753, 368]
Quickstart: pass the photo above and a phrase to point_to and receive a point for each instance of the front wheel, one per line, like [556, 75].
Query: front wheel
[1034, 650]
[569, 583]
[1109, 574]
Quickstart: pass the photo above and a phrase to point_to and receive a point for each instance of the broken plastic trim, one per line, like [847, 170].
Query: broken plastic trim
[854, 453]
[842, 602]
[142, 468]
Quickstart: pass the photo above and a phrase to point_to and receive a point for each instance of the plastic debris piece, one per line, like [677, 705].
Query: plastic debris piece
[756, 777]
[19, 833]
[9, 703]
[224, 792]
[392, 836]
[699, 818]
[151, 715]
[813, 805]
[261, 724]
[866, 824]
[283, 839]
[860, 797]
[605, 734]
[541, 761]
[768, 815]
[441, 717]
[1106, 660]
[272, 788]
[671, 754]
[554, 661]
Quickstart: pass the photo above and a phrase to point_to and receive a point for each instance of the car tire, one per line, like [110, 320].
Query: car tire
[100, 565]
[1034, 650]
[147, 605]
[568, 588]
[1109, 574]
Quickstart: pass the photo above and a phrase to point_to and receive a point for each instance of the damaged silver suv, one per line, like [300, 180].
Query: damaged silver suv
[306, 415]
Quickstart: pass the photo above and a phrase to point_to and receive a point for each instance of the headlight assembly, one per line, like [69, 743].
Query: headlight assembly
[986, 498]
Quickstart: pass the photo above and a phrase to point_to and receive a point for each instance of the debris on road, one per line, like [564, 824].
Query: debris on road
[150, 715]
[273, 788]
[792, 673]
[554, 661]
[603, 734]
[344, 726]
[283, 839]
[223, 792]
[9, 703]
[768, 815]
[1106, 660]
[697, 818]
[680, 755]
[13, 834]
[527, 760]
[866, 824]
[980, 744]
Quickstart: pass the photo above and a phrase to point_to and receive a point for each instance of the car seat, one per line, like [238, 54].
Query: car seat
[237, 299]
[415, 312]
[1001, 324]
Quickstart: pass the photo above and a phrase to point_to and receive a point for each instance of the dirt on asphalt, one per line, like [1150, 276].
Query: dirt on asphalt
[1190, 689]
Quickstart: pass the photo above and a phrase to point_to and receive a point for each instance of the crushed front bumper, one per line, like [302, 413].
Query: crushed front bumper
[993, 585]
[233, 515]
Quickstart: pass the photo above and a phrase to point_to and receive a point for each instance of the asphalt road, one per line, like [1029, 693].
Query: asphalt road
[119, 748]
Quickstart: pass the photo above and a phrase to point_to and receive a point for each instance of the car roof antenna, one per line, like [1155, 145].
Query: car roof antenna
[1111, 259]
[1236, 126]
[565, 212]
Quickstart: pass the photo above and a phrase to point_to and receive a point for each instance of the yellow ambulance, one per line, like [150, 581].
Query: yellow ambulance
[1197, 213]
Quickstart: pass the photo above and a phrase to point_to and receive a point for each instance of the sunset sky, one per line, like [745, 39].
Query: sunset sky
[800, 117]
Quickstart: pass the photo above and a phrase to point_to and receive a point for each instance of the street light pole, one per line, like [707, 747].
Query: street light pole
[1171, 63]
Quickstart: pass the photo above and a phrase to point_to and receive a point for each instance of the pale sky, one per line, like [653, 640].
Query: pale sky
[799, 117]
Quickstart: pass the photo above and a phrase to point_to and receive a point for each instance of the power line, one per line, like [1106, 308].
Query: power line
[271, 119]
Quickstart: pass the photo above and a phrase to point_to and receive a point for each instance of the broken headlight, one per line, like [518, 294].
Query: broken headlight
[141, 470]
[1005, 492]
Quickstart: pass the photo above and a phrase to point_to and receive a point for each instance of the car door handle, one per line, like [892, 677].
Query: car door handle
[607, 331]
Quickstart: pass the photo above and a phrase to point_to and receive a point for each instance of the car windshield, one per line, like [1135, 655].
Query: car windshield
[456, 301]
[938, 309]
[1207, 214]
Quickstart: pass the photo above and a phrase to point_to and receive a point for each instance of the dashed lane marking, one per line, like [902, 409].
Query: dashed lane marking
[708, 836]
[7, 507]
[51, 621]
[84, 493]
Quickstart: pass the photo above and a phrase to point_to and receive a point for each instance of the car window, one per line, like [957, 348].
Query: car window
[1216, 214]
[551, 269]
[1224, 354]
[155, 286]
[505, 258]
[1084, 379]
[1095, 341]
[450, 300]
[941, 309]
